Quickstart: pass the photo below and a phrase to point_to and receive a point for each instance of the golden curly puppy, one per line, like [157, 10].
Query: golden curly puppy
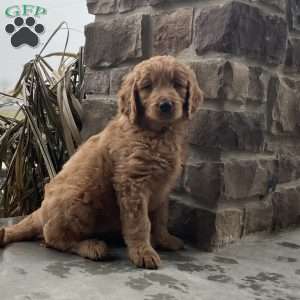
[119, 179]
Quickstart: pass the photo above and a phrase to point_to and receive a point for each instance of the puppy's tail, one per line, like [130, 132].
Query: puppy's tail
[28, 229]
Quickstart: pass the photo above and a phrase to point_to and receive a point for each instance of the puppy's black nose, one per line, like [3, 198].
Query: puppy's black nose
[165, 106]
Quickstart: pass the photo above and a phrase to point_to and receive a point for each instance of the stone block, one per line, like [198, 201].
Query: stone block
[293, 54]
[98, 7]
[161, 2]
[286, 205]
[245, 178]
[283, 107]
[97, 82]
[109, 43]
[241, 29]
[282, 144]
[228, 226]
[209, 182]
[205, 228]
[183, 219]
[258, 216]
[157, 2]
[227, 130]
[293, 15]
[214, 77]
[288, 167]
[232, 81]
[97, 113]
[279, 5]
[258, 83]
[172, 32]
[127, 5]
[116, 77]
[203, 181]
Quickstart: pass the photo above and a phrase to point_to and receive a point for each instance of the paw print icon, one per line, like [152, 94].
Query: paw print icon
[24, 32]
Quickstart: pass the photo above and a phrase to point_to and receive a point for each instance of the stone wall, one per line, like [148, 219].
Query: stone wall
[243, 171]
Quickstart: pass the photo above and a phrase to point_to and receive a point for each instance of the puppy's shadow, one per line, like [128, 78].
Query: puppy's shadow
[117, 246]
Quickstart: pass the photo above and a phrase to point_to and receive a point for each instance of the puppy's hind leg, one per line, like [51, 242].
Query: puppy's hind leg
[68, 237]
[28, 229]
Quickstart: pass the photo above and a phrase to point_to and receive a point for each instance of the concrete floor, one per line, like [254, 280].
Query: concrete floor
[260, 268]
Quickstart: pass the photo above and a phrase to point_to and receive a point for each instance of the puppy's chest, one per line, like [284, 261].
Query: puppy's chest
[149, 161]
[163, 163]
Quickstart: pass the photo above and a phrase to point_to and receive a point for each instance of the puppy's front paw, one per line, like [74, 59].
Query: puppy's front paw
[144, 257]
[92, 249]
[170, 242]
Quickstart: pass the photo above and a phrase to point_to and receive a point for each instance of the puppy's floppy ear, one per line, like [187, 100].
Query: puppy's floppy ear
[128, 98]
[194, 96]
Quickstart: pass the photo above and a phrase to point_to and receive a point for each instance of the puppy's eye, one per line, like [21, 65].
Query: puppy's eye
[146, 86]
[178, 84]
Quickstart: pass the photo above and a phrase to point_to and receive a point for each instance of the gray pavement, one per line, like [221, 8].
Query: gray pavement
[265, 267]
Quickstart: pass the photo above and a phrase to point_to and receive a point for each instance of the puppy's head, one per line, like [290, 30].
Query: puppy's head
[160, 91]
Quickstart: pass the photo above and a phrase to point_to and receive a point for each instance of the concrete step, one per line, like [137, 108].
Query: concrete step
[253, 269]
